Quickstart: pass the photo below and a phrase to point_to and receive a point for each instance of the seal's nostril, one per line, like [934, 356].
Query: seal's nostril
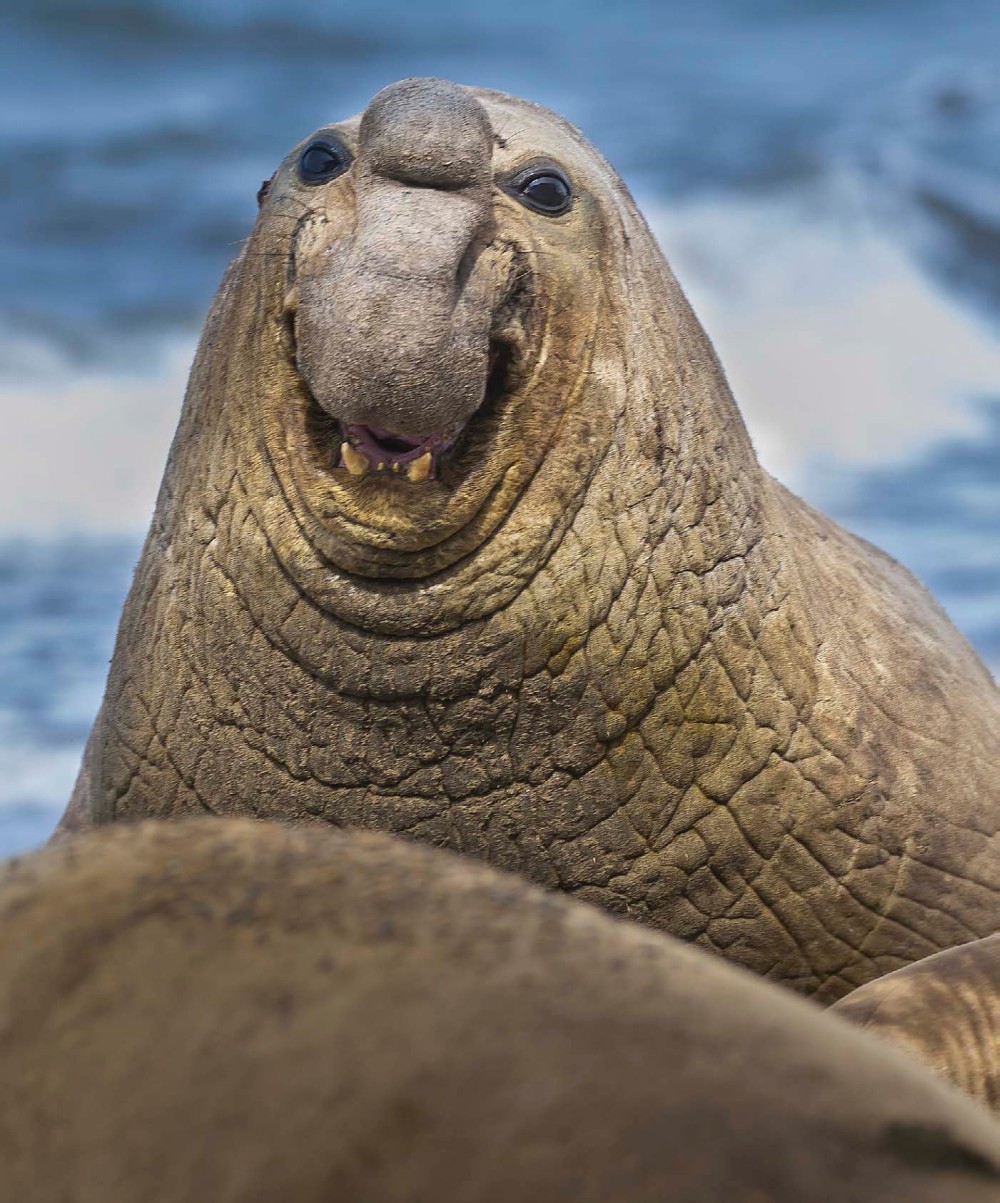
[427, 132]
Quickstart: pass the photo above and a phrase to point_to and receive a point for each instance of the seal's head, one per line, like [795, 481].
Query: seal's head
[449, 310]
[435, 271]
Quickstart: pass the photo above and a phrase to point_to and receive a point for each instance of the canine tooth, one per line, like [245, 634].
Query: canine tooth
[420, 469]
[291, 300]
[354, 461]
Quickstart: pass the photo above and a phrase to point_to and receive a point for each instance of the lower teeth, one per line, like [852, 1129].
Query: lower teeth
[354, 461]
[358, 464]
[420, 469]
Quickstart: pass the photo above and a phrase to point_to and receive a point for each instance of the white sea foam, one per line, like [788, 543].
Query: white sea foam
[835, 343]
[84, 448]
[37, 776]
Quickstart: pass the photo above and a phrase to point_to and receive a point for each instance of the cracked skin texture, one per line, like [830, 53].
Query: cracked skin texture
[245, 1012]
[606, 650]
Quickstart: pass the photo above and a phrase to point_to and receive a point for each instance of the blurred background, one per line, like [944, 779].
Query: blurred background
[824, 176]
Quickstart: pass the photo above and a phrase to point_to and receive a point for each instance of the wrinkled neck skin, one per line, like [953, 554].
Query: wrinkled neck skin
[629, 671]
[615, 449]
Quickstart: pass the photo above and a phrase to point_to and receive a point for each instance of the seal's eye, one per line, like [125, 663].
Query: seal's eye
[544, 189]
[322, 160]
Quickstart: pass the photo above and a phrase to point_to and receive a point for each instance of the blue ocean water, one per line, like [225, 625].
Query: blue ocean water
[140, 129]
[134, 134]
[59, 603]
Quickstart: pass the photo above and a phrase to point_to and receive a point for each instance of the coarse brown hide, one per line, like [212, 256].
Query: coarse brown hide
[245, 1013]
[945, 1010]
[603, 648]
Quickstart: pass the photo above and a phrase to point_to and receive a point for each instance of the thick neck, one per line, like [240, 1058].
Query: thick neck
[673, 495]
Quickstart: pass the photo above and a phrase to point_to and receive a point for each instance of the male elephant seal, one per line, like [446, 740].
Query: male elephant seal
[244, 1012]
[462, 537]
[945, 1010]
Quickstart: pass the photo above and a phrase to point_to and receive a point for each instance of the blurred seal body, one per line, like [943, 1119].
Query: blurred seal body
[945, 1010]
[462, 537]
[242, 1012]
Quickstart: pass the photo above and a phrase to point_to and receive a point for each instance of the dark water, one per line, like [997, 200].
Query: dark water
[938, 513]
[133, 137]
[135, 134]
[59, 603]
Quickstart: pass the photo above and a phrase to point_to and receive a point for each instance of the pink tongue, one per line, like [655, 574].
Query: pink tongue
[380, 446]
[386, 446]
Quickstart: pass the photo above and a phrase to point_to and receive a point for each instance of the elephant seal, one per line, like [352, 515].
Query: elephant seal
[243, 1011]
[945, 1010]
[462, 537]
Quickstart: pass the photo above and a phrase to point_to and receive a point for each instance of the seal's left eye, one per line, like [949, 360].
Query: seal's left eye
[322, 160]
[546, 190]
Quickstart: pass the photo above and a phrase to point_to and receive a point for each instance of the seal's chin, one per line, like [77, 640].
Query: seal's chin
[358, 450]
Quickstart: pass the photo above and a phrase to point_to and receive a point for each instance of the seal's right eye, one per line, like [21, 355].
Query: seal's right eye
[323, 160]
[542, 187]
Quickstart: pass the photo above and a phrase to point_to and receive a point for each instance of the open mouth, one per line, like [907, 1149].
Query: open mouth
[373, 449]
[416, 458]
[363, 454]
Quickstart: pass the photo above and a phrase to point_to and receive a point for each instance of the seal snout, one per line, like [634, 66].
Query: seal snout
[394, 330]
[427, 132]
